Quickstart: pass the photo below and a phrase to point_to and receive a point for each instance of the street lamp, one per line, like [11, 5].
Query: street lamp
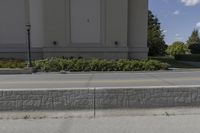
[28, 26]
[28, 30]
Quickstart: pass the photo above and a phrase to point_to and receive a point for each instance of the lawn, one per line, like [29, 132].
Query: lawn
[173, 63]
[12, 63]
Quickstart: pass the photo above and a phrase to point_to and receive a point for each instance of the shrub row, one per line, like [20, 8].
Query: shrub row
[188, 57]
[58, 64]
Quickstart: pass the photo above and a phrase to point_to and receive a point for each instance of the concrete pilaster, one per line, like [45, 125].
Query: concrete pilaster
[137, 28]
[36, 19]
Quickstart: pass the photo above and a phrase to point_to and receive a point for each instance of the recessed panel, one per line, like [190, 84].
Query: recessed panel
[85, 21]
[12, 22]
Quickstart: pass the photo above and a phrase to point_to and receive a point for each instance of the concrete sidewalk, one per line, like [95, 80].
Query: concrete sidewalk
[120, 124]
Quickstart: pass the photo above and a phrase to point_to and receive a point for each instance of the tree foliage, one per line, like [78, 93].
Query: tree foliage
[156, 41]
[177, 48]
[194, 42]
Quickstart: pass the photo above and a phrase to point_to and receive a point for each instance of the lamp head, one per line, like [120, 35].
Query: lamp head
[28, 26]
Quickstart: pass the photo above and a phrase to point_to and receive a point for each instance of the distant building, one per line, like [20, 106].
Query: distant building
[111, 29]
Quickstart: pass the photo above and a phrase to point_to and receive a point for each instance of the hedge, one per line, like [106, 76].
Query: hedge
[75, 64]
[188, 57]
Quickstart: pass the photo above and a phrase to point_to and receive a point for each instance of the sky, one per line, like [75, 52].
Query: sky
[178, 18]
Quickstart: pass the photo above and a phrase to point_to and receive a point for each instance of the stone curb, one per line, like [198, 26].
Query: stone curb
[9, 71]
[98, 98]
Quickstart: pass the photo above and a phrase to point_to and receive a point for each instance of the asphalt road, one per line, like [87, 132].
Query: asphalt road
[123, 124]
[84, 80]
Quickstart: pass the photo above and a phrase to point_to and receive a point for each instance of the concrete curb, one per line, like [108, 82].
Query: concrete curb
[98, 98]
[5, 71]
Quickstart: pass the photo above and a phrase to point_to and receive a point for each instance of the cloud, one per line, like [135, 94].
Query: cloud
[164, 31]
[176, 12]
[198, 25]
[190, 2]
[178, 37]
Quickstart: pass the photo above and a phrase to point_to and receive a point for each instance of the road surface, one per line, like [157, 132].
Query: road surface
[112, 79]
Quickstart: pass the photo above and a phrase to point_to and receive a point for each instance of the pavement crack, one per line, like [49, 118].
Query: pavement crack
[88, 84]
[161, 79]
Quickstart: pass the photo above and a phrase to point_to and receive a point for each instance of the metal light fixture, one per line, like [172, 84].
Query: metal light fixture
[28, 26]
[28, 30]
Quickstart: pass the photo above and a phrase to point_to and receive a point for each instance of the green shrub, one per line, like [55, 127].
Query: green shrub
[193, 42]
[177, 48]
[188, 57]
[194, 48]
[78, 64]
[75, 64]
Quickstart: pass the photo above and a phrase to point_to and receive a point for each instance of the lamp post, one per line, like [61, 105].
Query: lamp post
[28, 26]
[28, 30]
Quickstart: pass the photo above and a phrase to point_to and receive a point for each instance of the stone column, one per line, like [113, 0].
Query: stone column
[137, 29]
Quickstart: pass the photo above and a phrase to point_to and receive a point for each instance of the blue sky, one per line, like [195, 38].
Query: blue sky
[178, 17]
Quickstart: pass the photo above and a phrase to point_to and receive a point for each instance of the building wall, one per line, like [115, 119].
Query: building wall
[62, 26]
[110, 29]
[116, 23]
[12, 23]
[37, 23]
[85, 21]
[56, 23]
[138, 26]
[13, 20]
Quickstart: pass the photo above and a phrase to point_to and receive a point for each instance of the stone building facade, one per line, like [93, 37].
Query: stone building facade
[111, 29]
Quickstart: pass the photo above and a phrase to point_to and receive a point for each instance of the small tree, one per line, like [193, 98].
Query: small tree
[194, 42]
[177, 48]
[156, 41]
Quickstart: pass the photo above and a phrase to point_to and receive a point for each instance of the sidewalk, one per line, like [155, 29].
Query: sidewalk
[120, 124]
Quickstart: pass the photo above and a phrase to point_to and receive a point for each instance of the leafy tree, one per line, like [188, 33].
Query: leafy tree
[177, 48]
[156, 41]
[194, 42]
